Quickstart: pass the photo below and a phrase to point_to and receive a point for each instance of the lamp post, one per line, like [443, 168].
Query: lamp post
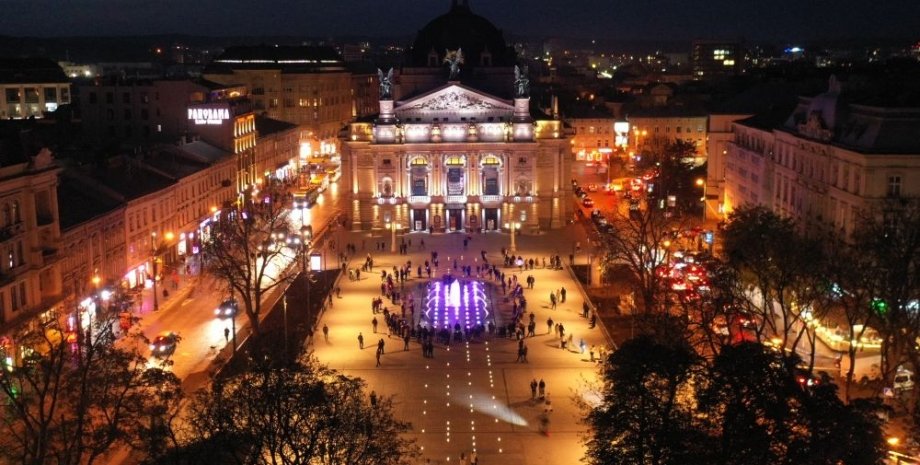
[512, 226]
[700, 182]
[153, 264]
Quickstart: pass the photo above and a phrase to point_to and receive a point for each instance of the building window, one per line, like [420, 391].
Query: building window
[894, 186]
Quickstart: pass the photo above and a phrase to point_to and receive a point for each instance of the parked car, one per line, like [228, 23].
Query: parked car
[587, 202]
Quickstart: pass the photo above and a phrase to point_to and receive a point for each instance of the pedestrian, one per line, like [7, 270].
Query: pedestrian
[533, 389]
[361, 341]
[581, 345]
[380, 345]
[227, 334]
[552, 300]
[584, 309]
[373, 397]
[374, 324]
[562, 294]
[338, 291]
[542, 388]
[549, 325]
[326, 332]
[406, 341]
[379, 351]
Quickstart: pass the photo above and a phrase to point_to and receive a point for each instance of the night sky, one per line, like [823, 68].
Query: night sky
[776, 20]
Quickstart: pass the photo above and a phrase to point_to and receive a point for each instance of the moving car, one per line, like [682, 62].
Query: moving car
[227, 309]
[587, 202]
[164, 344]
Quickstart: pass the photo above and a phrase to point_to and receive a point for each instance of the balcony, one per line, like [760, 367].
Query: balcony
[491, 198]
[455, 199]
[419, 199]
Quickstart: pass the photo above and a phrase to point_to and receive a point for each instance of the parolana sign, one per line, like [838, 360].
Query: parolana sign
[208, 115]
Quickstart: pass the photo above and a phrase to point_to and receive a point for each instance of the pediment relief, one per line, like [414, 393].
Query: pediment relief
[454, 98]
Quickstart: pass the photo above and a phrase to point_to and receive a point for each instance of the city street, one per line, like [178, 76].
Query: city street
[189, 309]
[472, 396]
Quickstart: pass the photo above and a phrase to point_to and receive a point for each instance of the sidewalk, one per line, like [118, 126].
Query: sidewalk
[176, 285]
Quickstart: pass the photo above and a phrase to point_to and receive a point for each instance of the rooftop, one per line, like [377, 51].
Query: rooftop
[287, 58]
[78, 204]
[31, 71]
[267, 126]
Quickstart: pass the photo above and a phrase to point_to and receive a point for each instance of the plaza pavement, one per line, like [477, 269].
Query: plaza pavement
[474, 396]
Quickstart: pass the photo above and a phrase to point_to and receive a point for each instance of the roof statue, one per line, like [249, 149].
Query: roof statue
[521, 83]
[386, 84]
[454, 60]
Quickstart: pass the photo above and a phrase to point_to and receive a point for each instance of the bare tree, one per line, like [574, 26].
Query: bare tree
[640, 243]
[72, 399]
[889, 237]
[250, 250]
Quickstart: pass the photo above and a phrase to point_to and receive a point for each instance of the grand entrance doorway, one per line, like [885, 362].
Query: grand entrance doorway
[491, 219]
[419, 219]
[455, 219]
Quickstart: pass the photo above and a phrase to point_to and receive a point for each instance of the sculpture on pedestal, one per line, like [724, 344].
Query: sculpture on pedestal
[521, 83]
[454, 60]
[386, 84]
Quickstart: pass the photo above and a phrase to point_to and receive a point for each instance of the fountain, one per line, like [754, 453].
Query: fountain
[463, 302]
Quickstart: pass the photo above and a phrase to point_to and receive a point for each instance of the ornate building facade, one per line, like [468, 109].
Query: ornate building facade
[458, 159]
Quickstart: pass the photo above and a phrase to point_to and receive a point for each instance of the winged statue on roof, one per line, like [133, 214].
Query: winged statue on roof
[454, 60]
[386, 84]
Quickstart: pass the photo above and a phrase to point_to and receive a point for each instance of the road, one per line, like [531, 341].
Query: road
[189, 312]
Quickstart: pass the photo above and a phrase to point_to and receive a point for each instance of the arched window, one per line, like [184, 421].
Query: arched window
[491, 160]
[456, 160]
[418, 161]
[17, 214]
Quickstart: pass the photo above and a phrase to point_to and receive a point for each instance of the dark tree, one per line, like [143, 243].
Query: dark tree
[304, 414]
[68, 402]
[782, 268]
[645, 416]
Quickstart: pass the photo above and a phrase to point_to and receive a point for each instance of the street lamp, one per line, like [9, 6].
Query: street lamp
[700, 182]
[153, 264]
[511, 227]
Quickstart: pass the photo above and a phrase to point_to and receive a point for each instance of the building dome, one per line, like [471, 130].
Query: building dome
[483, 44]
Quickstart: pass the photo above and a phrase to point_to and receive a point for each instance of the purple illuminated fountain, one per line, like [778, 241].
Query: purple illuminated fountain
[459, 301]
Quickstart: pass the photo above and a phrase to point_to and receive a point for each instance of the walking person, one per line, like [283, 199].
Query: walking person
[562, 294]
[542, 388]
[379, 352]
[374, 324]
[326, 333]
[227, 335]
[360, 341]
[533, 389]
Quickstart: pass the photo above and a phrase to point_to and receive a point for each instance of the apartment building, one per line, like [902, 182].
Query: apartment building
[31, 87]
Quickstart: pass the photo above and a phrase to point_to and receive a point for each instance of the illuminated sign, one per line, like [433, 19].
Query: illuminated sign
[215, 116]
[316, 262]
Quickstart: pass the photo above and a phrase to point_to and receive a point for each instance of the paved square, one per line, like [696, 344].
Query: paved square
[472, 395]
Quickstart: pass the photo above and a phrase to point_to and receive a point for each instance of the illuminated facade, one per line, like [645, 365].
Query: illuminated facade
[30, 87]
[809, 166]
[457, 159]
[715, 59]
[307, 86]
